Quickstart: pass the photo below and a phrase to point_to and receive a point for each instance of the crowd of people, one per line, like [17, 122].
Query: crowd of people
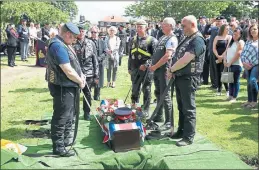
[187, 51]
[25, 37]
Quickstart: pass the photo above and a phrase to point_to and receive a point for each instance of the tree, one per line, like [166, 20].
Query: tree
[242, 9]
[69, 7]
[42, 12]
[157, 10]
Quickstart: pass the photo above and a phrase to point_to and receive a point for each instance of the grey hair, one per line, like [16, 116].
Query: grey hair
[113, 28]
[95, 27]
[170, 20]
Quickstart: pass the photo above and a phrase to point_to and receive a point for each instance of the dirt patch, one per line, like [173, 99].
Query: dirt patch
[8, 75]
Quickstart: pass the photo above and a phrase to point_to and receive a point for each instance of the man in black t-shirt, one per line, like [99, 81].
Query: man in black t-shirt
[187, 64]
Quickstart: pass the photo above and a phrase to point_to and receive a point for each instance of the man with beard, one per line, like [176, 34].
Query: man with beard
[87, 56]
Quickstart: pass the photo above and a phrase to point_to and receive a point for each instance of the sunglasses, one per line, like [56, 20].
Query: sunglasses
[93, 32]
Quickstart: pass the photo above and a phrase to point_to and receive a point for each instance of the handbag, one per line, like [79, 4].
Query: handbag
[227, 76]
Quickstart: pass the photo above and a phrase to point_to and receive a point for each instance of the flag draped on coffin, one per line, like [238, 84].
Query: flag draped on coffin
[111, 127]
[41, 53]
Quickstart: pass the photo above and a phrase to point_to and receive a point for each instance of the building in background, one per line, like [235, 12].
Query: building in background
[111, 21]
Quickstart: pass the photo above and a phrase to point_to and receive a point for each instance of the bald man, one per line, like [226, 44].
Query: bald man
[187, 65]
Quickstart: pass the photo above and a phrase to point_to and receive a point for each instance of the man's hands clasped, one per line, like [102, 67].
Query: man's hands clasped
[83, 81]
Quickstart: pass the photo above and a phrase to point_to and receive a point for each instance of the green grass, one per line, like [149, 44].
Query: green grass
[4, 61]
[228, 125]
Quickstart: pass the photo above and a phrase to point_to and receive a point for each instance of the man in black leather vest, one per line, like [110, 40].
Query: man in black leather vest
[187, 64]
[64, 78]
[141, 51]
[161, 60]
[87, 56]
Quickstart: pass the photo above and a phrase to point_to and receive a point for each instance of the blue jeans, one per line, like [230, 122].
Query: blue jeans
[252, 87]
[234, 87]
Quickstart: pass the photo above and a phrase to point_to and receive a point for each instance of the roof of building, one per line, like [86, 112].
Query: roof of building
[114, 19]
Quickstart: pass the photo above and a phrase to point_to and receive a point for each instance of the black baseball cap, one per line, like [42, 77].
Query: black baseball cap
[220, 18]
[202, 17]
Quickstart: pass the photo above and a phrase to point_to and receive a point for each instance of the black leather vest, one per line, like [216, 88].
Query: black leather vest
[160, 51]
[196, 65]
[54, 73]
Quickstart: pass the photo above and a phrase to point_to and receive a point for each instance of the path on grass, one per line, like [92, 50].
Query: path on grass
[10, 74]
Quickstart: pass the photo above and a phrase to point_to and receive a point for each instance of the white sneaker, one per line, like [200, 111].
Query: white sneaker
[218, 94]
[229, 98]
[227, 93]
[233, 100]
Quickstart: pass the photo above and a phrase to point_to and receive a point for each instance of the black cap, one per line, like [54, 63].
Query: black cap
[72, 28]
[81, 27]
[121, 25]
[127, 23]
[202, 17]
[220, 18]
[24, 20]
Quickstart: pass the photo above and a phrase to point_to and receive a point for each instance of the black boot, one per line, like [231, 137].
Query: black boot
[87, 116]
[57, 136]
[177, 135]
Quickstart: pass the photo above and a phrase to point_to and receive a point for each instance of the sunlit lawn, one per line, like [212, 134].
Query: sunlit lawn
[227, 125]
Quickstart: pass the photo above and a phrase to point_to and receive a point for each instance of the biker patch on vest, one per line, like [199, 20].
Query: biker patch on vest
[190, 68]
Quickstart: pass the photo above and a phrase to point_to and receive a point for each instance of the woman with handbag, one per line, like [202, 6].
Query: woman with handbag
[220, 45]
[249, 58]
[112, 45]
[233, 62]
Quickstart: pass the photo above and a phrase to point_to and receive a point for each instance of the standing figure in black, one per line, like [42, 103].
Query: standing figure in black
[161, 60]
[141, 51]
[12, 40]
[100, 49]
[123, 37]
[64, 78]
[186, 67]
[87, 56]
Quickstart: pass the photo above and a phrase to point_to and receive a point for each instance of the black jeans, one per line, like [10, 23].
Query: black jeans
[205, 73]
[65, 105]
[161, 82]
[213, 70]
[220, 68]
[185, 87]
[139, 77]
[11, 52]
[87, 93]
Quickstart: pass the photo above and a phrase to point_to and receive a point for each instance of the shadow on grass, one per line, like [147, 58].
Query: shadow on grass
[247, 126]
[47, 100]
[35, 90]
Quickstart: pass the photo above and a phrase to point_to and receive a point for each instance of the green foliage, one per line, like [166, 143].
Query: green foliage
[157, 10]
[37, 11]
[243, 9]
[68, 7]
